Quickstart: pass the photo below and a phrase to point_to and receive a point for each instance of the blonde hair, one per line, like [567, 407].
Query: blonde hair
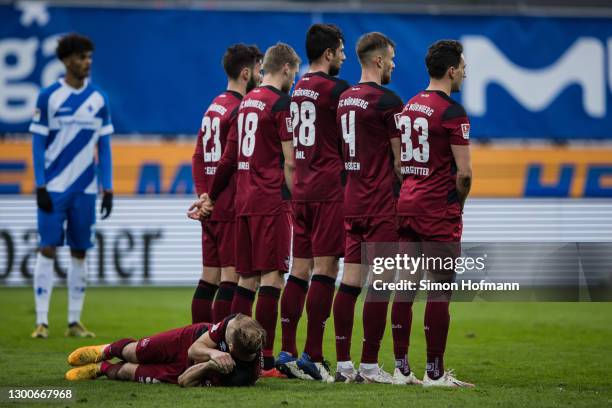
[277, 56]
[248, 337]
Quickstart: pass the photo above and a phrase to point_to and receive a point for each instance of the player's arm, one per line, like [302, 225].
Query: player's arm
[205, 349]
[40, 130]
[227, 165]
[463, 160]
[105, 161]
[289, 166]
[397, 164]
[457, 124]
[192, 377]
[197, 165]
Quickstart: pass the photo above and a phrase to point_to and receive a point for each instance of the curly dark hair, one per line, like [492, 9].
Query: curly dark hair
[73, 43]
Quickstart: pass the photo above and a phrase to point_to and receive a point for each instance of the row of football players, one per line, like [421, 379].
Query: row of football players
[327, 131]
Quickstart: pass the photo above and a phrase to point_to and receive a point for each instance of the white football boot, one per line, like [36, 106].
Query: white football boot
[378, 376]
[400, 379]
[447, 380]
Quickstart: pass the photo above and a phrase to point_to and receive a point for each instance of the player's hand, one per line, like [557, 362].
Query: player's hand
[43, 199]
[107, 204]
[224, 361]
[201, 208]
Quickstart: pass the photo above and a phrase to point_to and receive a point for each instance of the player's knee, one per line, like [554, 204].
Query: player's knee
[129, 352]
[48, 252]
[249, 283]
[273, 278]
[228, 274]
[327, 268]
[301, 268]
[211, 275]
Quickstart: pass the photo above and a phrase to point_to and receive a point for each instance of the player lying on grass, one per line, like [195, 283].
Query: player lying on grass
[224, 354]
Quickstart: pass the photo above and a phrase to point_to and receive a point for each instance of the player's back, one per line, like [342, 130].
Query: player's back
[318, 158]
[430, 123]
[263, 122]
[367, 119]
[216, 123]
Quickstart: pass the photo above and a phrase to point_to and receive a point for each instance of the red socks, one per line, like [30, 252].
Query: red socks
[318, 307]
[437, 320]
[374, 322]
[292, 305]
[401, 323]
[110, 370]
[115, 349]
[222, 306]
[243, 301]
[344, 311]
[201, 305]
[266, 313]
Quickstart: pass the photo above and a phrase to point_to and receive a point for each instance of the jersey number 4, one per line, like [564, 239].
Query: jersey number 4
[210, 130]
[421, 127]
[303, 122]
[347, 123]
[246, 142]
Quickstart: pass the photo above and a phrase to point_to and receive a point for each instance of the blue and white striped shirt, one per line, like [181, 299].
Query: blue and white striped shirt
[67, 126]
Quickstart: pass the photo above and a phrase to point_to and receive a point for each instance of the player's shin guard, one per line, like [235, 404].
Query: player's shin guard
[437, 320]
[344, 312]
[115, 349]
[243, 301]
[201, 304]
[318, 307]
[222, 306]
[292, 305]
[43, 286]
[77, 282]
[401, 323]
[374, 322]
[266, 313]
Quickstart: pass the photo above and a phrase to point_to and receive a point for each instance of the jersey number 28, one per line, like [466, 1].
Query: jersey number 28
[303, 122]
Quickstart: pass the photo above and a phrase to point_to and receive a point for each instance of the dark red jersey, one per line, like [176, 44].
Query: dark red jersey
[317, 140]
[254, 148]
[367, 115]
[430, 123]
[217, 121]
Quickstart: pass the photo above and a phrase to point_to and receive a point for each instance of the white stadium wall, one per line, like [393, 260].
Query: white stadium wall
[150, 241]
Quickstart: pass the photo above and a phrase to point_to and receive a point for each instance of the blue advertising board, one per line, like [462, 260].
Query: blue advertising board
[527, 76]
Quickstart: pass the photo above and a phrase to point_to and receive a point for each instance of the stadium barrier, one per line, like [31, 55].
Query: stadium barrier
[165, 168]
[150, 241]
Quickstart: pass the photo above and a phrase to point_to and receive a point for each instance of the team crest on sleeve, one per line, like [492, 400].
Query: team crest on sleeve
[289, 124]
[36, 117]
[215, 327]
[465, 130]
[397, 117]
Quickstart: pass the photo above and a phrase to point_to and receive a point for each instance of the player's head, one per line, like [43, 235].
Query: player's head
[325, 43]
[445, 61]
[282, 60]
[376, 50]
[243, 62]
[75, 51]
[245, 338]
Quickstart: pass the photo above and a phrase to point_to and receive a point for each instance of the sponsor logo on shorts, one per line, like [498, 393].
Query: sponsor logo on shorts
[144, 342]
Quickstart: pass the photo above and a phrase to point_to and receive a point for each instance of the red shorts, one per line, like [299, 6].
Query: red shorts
[263, 243]
[218, 243]
[163, 356]
[430, 229]
[317, 229]
[367, 229]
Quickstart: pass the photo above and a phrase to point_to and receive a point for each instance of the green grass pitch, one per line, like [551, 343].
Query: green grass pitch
[518, 354]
